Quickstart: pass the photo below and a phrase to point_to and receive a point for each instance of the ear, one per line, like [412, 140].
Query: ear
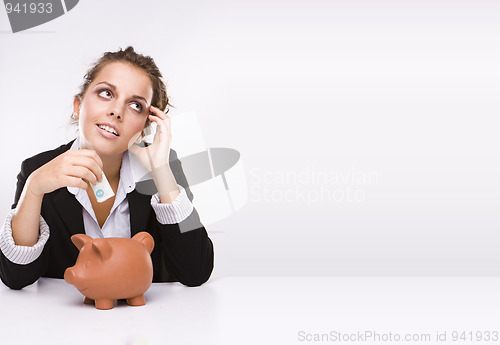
[77, 102]
[102, 247]
[80, 239]
[146, 239]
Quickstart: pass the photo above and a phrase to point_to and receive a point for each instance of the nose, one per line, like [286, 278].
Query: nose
[118, 116]
[69, 275]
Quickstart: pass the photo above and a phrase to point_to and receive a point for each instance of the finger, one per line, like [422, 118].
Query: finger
[84, 173]
[158, 120]
[72, 181]
[92, 154]
[163, 124]
[161, 128]
[88, 163]
[162, 135]
[162, 115]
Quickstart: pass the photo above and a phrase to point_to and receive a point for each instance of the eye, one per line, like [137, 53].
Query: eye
[139, 106]
[104, 91]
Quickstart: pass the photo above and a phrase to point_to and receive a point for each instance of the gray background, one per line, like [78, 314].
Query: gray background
[395, 102]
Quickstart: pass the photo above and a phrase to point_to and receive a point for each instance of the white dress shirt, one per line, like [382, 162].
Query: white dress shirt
[116, 225]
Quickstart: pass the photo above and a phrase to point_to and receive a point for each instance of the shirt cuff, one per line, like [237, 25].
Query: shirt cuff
[175, 212]
[22, 255]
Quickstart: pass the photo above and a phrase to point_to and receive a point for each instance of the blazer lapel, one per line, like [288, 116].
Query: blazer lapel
[70, 211]
[139, 211]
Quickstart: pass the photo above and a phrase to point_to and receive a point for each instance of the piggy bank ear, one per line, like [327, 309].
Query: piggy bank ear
[102, 247]
[146, 239]
[80, 239]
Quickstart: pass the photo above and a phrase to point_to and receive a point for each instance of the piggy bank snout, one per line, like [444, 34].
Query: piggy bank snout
[69, 275]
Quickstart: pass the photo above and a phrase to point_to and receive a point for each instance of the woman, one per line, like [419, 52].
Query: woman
[120, 97]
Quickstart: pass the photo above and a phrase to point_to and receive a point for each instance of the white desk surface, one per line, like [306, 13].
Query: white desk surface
[257, 310]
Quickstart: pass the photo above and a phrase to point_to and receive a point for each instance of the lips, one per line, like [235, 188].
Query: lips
[108, 128]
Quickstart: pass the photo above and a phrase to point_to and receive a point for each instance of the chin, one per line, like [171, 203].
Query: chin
[109, 149]
[105, 146]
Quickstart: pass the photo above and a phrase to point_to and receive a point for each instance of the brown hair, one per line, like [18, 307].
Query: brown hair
[146, 63]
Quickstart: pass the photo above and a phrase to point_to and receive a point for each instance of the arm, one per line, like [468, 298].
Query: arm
[187, 250]
[21, 264]
[26, 218]
[24, 255]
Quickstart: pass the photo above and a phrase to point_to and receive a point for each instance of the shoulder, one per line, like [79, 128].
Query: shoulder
[36, 161]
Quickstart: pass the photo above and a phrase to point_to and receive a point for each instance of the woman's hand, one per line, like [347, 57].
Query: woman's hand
[73, 168]
[156, 156]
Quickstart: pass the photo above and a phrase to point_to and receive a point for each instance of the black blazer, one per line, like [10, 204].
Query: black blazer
[186, 257]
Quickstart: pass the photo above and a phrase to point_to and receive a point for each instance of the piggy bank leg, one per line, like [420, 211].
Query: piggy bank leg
[136, 301]
[104, 303]
[88, 301]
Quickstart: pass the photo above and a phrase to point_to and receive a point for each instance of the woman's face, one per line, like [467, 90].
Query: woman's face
[118, 101]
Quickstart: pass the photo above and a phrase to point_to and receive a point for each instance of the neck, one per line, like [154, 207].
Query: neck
[111, 166]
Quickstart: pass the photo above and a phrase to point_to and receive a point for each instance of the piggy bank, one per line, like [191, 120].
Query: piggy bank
[112, 268]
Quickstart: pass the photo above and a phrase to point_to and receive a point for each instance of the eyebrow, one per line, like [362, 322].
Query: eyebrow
[114, 88]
